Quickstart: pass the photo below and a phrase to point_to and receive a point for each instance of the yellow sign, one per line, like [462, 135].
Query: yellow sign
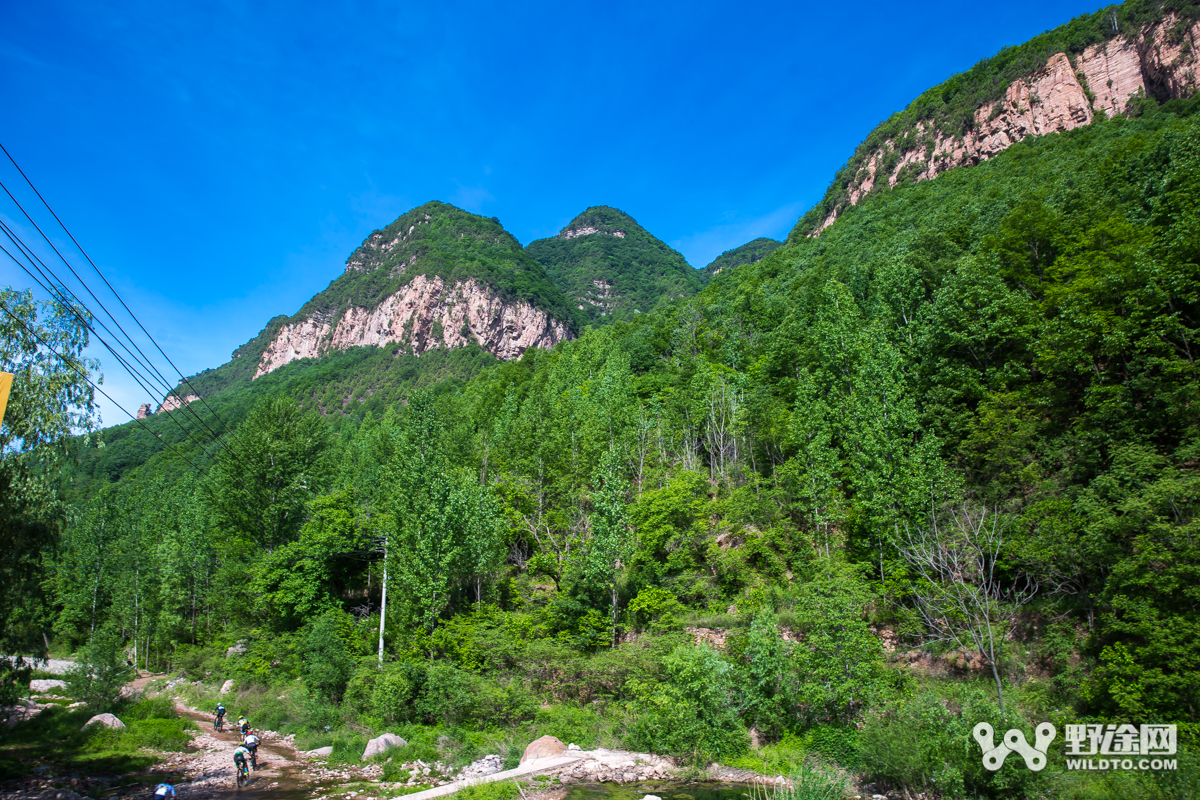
[5, 385]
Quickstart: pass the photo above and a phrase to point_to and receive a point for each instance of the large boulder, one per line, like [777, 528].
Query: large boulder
[227, 686]
[41, 686]
[107, 720]
[544, 747]
[381, 744]
[321, 752]
[236, 649]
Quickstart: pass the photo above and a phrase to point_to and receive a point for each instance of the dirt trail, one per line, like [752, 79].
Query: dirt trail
[281, 773]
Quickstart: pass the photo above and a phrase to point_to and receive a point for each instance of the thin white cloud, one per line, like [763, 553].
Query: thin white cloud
[701, 247]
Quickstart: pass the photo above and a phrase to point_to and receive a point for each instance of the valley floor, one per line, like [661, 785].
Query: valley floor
[205, 769]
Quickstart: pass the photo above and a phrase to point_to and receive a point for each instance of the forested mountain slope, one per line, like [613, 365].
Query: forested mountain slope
[609, 265]
[1013, 337]
[436, 279]
[749, 253]
[1101, 64]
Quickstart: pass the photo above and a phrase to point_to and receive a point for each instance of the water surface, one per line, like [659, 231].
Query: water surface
[667, 791]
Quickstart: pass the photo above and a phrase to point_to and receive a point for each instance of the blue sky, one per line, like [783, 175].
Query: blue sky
[220, 160]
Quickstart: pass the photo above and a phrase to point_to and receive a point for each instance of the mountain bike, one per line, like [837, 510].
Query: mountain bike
[254, 759]
[219, 723]
[243, 776]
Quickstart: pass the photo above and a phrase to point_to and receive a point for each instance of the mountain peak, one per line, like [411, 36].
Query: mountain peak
[438, 277]
[1102, 64]
[749, 253]
[608, 264]
[434, 225]
[603, 220]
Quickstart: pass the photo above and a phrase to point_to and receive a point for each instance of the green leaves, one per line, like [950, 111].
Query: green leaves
[100, 670]
[692, 712]
[50, 400]
[828, 669]
[447, 526]
[276, 462]
[308, 577]
[328, 658]
[840, 660]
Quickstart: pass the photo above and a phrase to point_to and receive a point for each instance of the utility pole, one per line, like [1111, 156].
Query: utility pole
[383, 601]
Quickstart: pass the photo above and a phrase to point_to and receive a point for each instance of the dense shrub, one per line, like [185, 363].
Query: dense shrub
[328, 660]
[100, 670]
[924, 744]
[692, 713]
[571, 724]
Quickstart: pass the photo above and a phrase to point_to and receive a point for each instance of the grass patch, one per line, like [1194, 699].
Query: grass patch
[499, 790]
[809, 782]
[56, 739]
[156, 734]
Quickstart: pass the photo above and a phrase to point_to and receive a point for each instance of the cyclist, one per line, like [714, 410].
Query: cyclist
[164, 790]
[251, 743]
[243, 725]
[220, 715]
[239, 759]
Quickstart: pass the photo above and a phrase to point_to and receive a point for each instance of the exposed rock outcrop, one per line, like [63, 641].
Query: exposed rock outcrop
[599, 296]
[144, 410]
[588, 230]
[1160, 62]
[174, 401]
[424, 315]
[295, 340]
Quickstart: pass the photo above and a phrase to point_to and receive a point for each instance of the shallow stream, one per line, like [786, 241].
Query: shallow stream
[667, 791]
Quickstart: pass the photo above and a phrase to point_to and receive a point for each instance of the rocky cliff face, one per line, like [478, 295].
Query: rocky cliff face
[424, 315]
[437, 277]
[1159, 62]
[173, 402]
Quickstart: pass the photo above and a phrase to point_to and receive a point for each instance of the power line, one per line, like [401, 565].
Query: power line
[137, 377]
[82, 282]
[110, 287]
[75, 365]
[56, 289]
[28, 251]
